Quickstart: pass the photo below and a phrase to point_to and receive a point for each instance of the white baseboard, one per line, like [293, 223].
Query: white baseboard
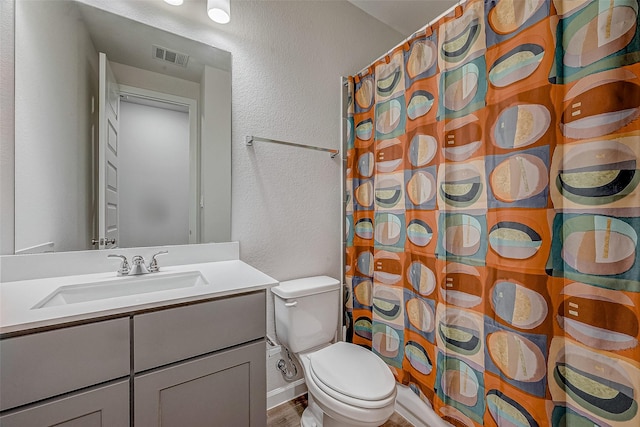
[414, 410]
[284, 394]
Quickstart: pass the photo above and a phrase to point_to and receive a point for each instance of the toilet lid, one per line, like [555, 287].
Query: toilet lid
[353, 371]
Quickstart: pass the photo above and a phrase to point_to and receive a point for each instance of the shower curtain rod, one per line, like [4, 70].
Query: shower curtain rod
[250, 139]
[430, 23]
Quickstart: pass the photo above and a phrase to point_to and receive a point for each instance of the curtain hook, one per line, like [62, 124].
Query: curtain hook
[458, 11]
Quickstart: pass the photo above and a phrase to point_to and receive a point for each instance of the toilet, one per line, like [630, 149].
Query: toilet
[348, 385]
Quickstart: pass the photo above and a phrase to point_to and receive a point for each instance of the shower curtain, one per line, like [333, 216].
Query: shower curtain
[493, 213]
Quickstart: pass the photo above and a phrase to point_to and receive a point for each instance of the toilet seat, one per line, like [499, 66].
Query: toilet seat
[348, 400]
[352, 375]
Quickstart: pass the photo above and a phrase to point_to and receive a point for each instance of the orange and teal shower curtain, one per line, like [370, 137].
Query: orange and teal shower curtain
[493, 213]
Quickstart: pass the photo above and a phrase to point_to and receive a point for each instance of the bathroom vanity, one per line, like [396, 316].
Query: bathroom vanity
[186, 356]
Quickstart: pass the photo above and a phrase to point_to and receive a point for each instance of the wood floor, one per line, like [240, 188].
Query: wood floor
[288, 415]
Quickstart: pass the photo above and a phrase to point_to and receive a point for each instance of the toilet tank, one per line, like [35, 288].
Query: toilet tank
[306, 312]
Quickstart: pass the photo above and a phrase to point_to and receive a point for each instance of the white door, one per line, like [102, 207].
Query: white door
[109, 110]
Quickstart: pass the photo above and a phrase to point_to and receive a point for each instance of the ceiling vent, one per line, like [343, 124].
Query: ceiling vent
[167, 55]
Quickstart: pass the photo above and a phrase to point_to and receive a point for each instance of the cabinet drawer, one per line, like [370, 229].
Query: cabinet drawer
[38, 366]
[176, 334]
[106, 406]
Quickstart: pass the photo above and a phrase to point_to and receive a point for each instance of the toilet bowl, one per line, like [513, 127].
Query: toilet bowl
[345, 396]
[348, 385]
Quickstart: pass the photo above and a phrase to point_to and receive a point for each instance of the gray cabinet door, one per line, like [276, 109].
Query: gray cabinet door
[106, 406]
[225, 389]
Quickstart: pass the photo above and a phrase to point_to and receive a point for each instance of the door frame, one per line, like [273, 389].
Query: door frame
[194, 150]
[108, 121]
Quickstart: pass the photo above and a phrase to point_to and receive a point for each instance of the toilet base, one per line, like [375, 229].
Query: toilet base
[309, 420]
[313, 416]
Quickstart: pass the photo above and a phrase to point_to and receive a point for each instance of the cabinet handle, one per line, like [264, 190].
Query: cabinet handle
[291, 304]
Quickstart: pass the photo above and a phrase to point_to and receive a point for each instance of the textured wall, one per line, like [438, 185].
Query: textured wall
[286, 201]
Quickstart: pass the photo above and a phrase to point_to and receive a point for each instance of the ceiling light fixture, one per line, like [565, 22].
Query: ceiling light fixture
[174, 2]
[219, 10]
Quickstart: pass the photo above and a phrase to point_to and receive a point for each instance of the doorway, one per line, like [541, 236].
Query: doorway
[158, 169]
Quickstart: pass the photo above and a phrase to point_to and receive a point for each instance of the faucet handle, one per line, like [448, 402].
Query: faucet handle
[153, 265]
[124, 265]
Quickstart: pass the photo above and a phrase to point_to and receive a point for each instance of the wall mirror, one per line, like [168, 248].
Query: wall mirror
[122, 132]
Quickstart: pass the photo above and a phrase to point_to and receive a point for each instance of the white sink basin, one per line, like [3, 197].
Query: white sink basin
[121, 286]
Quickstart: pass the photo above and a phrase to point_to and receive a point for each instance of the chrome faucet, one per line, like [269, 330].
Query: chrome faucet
[138, 264]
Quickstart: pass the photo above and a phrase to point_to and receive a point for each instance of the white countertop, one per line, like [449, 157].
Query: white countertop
[17, 299]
